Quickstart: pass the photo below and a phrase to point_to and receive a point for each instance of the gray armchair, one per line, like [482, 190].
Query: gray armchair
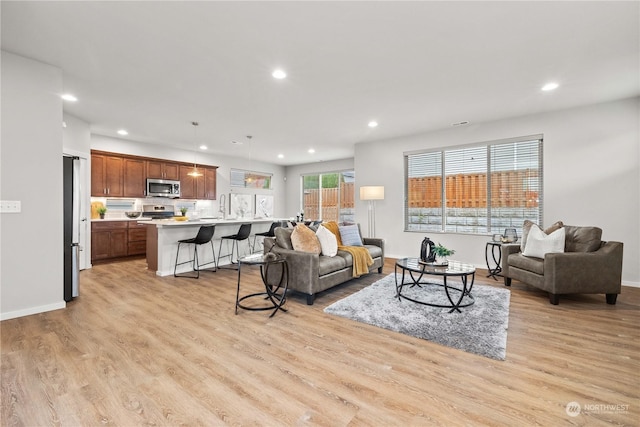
[588, 266]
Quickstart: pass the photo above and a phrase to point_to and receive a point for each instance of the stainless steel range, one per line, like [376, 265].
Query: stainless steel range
[157, 211]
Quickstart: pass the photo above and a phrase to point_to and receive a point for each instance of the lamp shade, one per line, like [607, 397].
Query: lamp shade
[372, 192]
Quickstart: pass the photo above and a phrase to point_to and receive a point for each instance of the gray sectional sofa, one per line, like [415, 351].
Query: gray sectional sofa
[311, 273]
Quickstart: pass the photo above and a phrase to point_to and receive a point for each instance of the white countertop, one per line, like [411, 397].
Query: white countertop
[203, 221]
[120, 219]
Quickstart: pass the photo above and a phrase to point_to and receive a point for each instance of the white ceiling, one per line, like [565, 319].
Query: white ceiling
[154, 67]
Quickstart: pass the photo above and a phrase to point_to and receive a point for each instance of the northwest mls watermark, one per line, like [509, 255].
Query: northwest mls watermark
[574, 409]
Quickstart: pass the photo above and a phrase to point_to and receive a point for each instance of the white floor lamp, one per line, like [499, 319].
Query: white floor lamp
[372, 193]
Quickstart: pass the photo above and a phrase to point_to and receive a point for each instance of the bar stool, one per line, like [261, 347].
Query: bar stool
[204, 236]
[242, 234]
[270, 233]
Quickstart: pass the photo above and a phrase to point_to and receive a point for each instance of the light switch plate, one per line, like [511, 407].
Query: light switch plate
[10, 206]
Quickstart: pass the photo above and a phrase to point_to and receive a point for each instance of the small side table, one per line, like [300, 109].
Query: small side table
[275, 294]
[494, 267]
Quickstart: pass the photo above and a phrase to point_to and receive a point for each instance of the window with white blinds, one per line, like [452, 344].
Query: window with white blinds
[477, 189]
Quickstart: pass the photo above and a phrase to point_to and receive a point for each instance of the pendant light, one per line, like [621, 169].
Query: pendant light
[195, 172]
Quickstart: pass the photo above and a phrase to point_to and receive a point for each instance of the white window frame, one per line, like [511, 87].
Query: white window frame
[484, 220]
[350, 172]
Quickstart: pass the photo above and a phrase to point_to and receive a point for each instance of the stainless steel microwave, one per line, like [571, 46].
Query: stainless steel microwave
[163, 188]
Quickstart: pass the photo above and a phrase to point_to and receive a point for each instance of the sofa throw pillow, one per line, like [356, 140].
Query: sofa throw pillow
[305, 240]
[328, 241]
[350, 235]
[333, 227]
[527, 227]
[539, 243]
[283, 237]
[583, 239]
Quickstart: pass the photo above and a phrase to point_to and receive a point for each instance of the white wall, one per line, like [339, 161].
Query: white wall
[591, 176]
[294, 185]
[224, 163]
[76, 135]
[31, 172]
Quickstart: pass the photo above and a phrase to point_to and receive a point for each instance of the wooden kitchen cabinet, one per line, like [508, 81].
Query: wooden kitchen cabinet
[107, 175]
[134, 177]
[115, 175]
[163, 170]
[100, 245]
[209, 184]
[109, 239]
[137, 238]
[198, 187]
[187, 182]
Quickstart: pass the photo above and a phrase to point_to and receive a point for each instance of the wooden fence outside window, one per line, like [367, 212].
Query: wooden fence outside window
[332, 202]
[508, 189]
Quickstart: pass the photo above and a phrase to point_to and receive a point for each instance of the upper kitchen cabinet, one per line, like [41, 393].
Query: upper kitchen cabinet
[200, 187]
[107, 175]
[134, 177]
[187, 183]
[209, 184]
[163, 170]
[123, 175]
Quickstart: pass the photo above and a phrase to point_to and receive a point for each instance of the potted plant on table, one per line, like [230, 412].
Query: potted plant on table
[183, 210]
[101, 211]
[442, 253]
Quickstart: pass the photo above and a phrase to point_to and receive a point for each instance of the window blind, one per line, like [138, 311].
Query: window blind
[479, 189]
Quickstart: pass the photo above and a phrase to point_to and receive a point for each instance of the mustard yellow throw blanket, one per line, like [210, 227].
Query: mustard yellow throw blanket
[361, 257]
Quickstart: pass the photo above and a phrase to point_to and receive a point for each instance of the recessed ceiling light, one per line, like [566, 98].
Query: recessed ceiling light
[550, 86]
[279, 74]
[373, 124]
[281, 156]
[123, 132]
[69, 97]
[203, 147]
[311, 151]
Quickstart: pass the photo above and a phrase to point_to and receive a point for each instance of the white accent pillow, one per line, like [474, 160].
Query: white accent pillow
[328, 241]
[539, 243]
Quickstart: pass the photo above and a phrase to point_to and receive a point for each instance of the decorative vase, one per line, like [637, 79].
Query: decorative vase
[442, 260]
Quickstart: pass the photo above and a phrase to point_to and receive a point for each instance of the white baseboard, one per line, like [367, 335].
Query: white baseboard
[32, 310]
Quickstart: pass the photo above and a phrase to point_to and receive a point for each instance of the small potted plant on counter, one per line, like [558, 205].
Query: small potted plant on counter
[101, 211]
[442, 253]
[184, 210]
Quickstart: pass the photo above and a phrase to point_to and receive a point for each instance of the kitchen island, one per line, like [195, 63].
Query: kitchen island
[163, 236]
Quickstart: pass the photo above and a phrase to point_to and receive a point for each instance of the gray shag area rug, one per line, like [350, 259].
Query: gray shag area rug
[480, 328]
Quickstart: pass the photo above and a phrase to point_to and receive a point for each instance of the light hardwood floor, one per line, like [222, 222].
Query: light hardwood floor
[136, 349]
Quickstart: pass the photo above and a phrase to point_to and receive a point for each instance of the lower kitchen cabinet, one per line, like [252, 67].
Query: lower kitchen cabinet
[116, 239]
[137, 239]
